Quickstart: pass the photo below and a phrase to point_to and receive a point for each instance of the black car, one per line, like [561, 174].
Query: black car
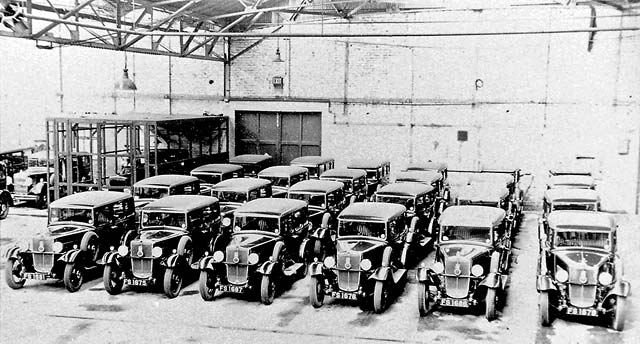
[355, 182]
[233, 193]
[156, 187]
[81, 228]
[378, 171]
[212, 174]
[315, 164]
[175, 231]
[252, 163]
[283, 177]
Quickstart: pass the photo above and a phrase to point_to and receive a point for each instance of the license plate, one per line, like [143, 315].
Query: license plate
[588, 312]
[454, 302]
[136, 282]
[35, 276]
[232, 288]
[343, 295]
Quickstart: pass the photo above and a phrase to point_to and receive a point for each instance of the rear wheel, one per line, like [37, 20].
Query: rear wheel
[172, 282]
[267, 289]
[619, 314]
[112, 279]
[316, 291]
[4, 208]
[380, 296]
[490, 304]
[41, 200]
[14, 273]
[73, 277]
[206, 285]
[543, 308]
[424, 301]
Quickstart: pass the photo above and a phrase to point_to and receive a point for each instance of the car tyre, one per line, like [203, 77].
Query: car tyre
[112, 279]
[172, 282]
[185, 249]
[619, 313]
[4, 208]
[14, 273]
[424, 300]
[380, 296]
[267, 290]
[41, 200]
[73, 277]
[490, 304]
[206, 285]
[544, 308]
[316, 294]
[89, 244]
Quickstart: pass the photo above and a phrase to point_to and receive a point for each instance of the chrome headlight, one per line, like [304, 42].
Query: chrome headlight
[57, 247]
[226, 222]
[477, 270]
[156, 252]
[365, 264]
[438, 267]
[253, 258]
[218, 256]
[562, 275]
[605, 278]
[329, 262]
[123, 250]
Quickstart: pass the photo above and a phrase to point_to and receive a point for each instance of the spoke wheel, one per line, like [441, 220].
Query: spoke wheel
[380, 296]
[424, 300]
[14, 273]
[544, 308]
[267, 290]
[73, 277]
[112, 279]
[172, 283]
[490, 304]
[619, 314]
[316, 291]
[206, 285]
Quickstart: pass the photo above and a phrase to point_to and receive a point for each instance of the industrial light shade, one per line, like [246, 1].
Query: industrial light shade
[277, 57]
[126, 84]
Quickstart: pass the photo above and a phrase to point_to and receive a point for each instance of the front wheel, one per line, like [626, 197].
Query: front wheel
[41, 200]
[619, 313]
[172, 283]
[73, 277]
[543, 308]
[267, 290]
[490, 304]
[380, 296]
[424, 301]
[316, 291]
[206, 285]
[4, 208]
[112, 279]
[14, 273]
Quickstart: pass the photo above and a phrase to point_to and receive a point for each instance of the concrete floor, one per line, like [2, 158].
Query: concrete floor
[44, 312]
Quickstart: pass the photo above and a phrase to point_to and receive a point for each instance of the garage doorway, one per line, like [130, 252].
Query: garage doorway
[283, 135]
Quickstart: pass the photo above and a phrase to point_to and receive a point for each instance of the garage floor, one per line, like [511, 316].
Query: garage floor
[44, 312]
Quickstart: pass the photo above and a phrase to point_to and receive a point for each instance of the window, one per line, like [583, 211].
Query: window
[265, 191]
[467, 233]
[253, 194]
[371, 229]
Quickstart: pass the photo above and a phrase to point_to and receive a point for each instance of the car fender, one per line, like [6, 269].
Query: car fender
[206, 263]
[316, 268]
[172, 261]
[71, 256]
[6, 195]
[380, 274]
[303, 248]
[110, 258]
[266, 268]
[492, 280]
[409, 238]
[544, 283]
[320, 232]
[620, 288]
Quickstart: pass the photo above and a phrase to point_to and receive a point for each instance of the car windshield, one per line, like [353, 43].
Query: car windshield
[278, 181]
[257, 223]
[208, 177]
[582, 239]
[406, 201]
[371, 229]
[230, 196]
[313, 171]
[575, 206]
[153, 219]
[317, 200]
[151, 192]
[466, 233]
[372, 174]
[70, 214]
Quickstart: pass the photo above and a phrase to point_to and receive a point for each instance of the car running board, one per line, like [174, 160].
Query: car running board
[293, 269]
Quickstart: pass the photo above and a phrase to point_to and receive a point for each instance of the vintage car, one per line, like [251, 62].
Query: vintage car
[571, 181]
[252, 163]
[440, 167]
[368, 266]
[579, 167]
[283, 177]
[315, 164]
[471, 262]
[232, 193]
[579, 270]
[263, 250]
[163, 185]
[174, 233]
[212, 174]
[81, 228]
[422, 202]
[509, 179]
[326, 200]
[5, 196]
[378, 171]
[31, 185]
[432, 178]
[490, 195]
[570, 199]
[355, 182]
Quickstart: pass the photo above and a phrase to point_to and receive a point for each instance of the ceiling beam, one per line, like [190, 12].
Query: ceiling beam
[66, 16]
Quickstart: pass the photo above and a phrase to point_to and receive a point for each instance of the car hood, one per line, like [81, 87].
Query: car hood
[460, 250]
[251, 240]
[61, 231]
[358, 245]
[157, 235]
[581, 259]
[226, 208]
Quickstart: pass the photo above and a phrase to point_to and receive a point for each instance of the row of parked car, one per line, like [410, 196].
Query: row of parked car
[350, 230]
[580, 272]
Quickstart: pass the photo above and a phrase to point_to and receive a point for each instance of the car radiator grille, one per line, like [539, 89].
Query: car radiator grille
[141, 259]
[43, 262]
[582, 295]
[237, 268]
[456, 282]
[348, 271]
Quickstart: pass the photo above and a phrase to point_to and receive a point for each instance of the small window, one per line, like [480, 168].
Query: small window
[253, 194]
[265, 192]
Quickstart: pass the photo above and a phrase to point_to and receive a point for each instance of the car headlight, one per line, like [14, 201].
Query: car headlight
[411, 208]
[236, 228]
[329, 262]
[365, 264]
[218, 256]
[562, 275]
[123, 250]
[57, 247]
[156, 252]
[605, 278]
[253, 258]
[477, 270]
[226, 222]
[438, 267]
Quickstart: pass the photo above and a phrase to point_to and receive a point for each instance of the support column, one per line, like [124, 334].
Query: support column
[227, 69]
